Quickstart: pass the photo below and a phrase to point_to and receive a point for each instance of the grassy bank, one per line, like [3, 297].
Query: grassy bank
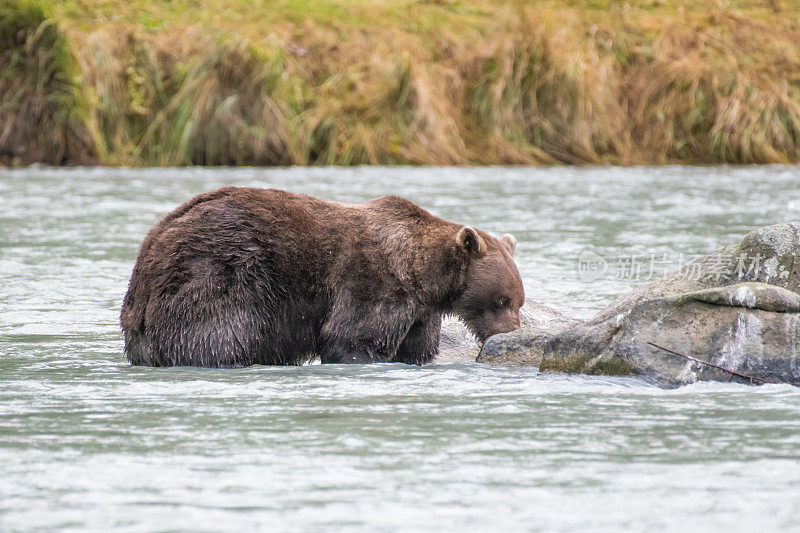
[155, 82]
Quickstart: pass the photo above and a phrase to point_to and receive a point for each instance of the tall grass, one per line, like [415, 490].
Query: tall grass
[543, 95]
[185, 99]
[715, 88]
[373, 100]
[42, 115]
[376, 82]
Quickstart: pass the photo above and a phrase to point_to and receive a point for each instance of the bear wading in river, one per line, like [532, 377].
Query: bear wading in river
[245, 276]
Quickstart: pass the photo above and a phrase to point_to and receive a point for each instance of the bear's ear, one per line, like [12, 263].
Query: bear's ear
[469, 239]
[509, 242]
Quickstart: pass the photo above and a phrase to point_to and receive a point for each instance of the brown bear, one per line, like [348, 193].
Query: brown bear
[245, 276]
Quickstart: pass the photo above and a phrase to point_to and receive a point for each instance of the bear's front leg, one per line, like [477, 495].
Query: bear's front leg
[339, 356]
[421, 343]
[361, 346]
[363, 331]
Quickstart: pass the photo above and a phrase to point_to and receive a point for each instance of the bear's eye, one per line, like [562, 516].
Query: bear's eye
[503, 303]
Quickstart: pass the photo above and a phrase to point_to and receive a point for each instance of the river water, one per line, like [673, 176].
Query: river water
[90, 443]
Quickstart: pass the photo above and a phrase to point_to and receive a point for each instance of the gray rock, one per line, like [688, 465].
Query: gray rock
[749, 295]
[738, 308]
[525, 346]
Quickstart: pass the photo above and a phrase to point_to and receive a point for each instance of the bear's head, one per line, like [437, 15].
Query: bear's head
[492, 292]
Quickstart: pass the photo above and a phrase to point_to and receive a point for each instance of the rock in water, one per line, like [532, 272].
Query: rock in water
[524, 346]
[738, 308]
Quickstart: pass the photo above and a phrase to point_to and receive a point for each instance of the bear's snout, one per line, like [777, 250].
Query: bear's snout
[492, 324]
[509, 324]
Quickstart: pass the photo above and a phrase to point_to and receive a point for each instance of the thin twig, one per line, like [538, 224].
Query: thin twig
[752, 379]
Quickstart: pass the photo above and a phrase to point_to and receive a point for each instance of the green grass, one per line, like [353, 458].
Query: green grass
[178, 82]
[42, 113]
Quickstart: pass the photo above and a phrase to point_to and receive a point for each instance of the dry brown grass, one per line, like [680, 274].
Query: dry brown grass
[716, 88]
[542, 93]
[373, 101]
[334, 82]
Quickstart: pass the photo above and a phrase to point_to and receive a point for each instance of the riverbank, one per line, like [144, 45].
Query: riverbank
[150, 83]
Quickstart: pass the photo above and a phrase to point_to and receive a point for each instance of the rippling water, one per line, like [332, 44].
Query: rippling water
[89, 443]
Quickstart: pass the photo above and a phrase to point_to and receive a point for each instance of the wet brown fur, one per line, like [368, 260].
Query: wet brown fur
[252, 276]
